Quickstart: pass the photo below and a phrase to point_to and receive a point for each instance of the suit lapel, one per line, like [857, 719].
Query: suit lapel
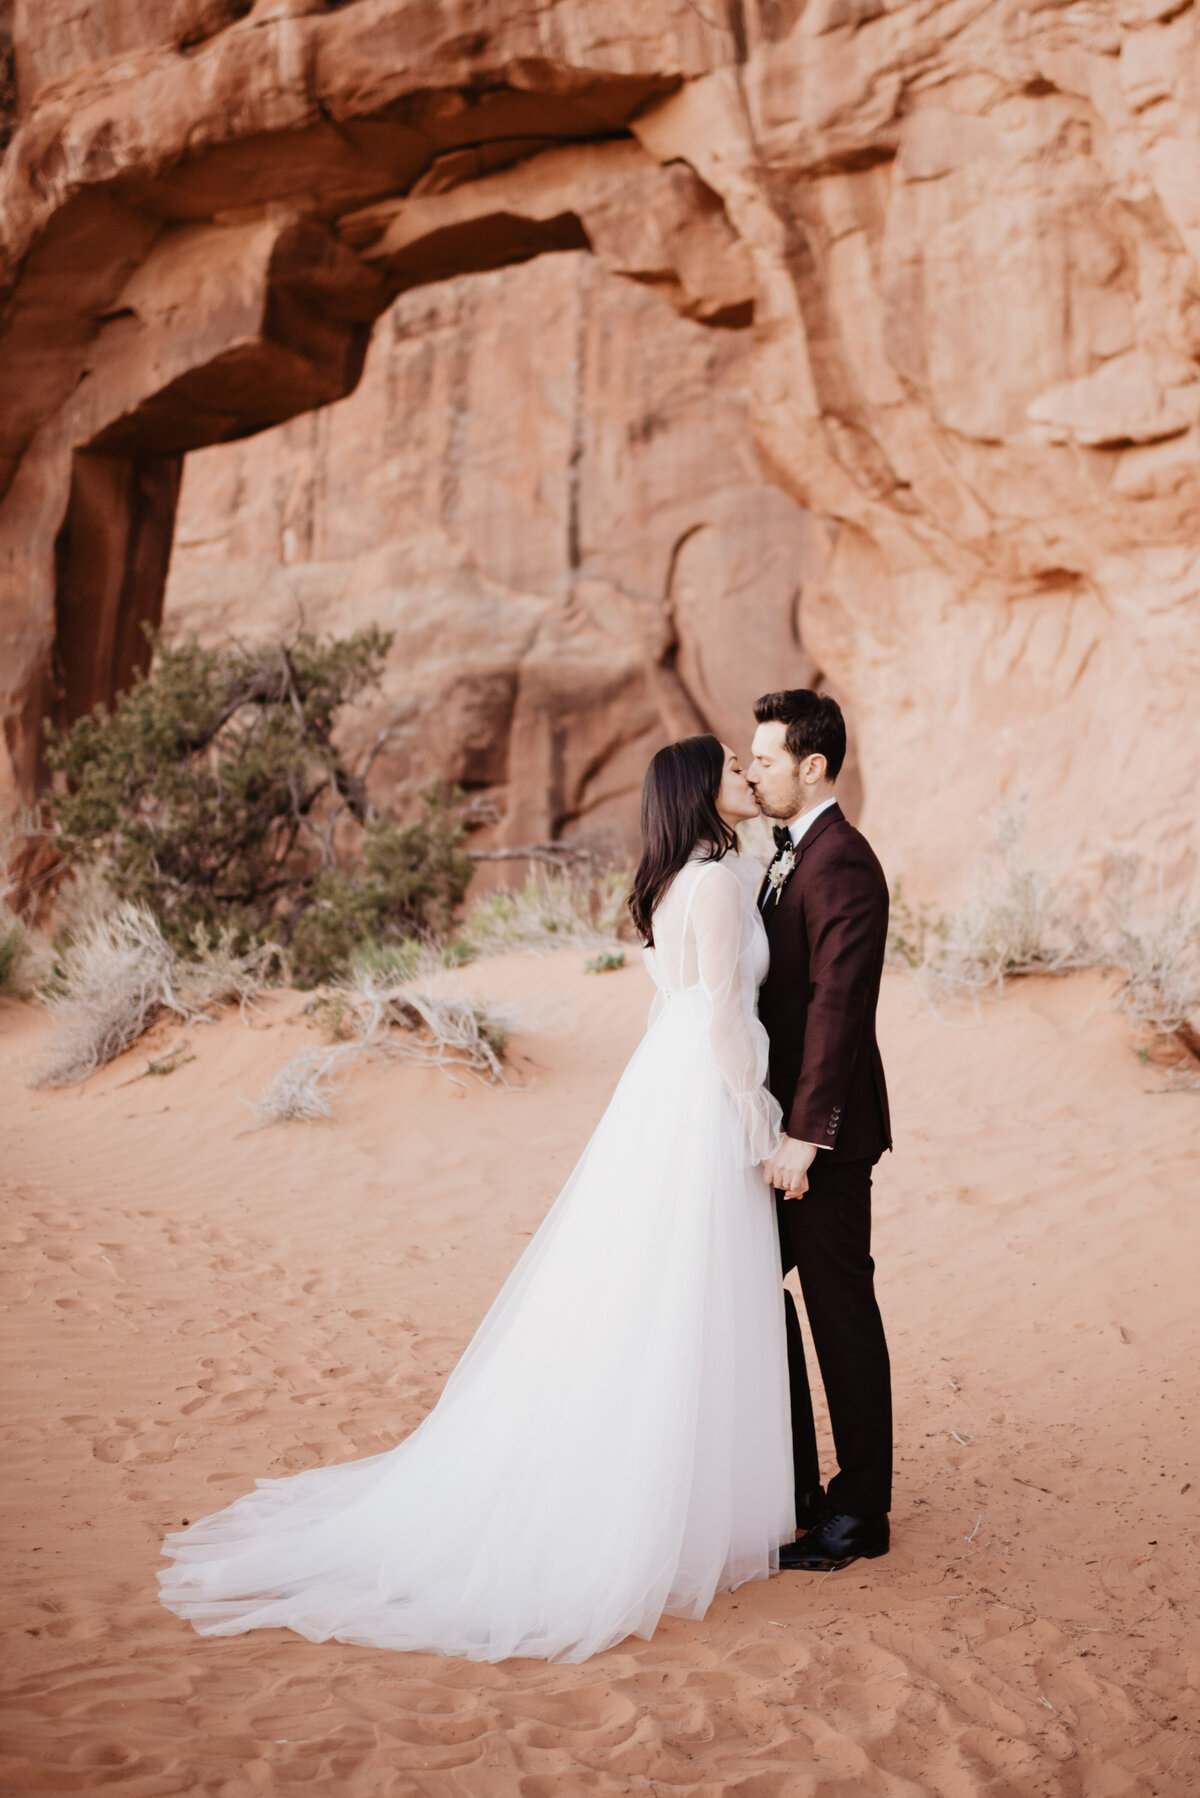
[833, 816]
[770, 907]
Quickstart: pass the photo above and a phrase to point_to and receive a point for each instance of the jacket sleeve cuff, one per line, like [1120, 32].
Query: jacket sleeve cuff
[821, 1132]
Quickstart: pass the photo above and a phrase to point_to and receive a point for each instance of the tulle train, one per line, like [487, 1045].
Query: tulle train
[613, 1444]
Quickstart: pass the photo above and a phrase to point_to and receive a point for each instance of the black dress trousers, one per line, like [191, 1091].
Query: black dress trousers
[826, 1237]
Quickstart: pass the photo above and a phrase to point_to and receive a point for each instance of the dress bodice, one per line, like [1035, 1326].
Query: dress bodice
[673, 962]
[710, 945]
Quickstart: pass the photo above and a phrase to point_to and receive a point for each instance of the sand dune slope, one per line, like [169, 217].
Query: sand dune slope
[191, 1302]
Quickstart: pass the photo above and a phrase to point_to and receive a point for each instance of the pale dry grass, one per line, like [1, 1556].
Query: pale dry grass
[302, 1088]
[401, 1021]
[84, 898]
[552, 910]
[215, 973]
[117, 975]
[1157, 950]
[111, 983]
[1015, 920]
[437, 1029]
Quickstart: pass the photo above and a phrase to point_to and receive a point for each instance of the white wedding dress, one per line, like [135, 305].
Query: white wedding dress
[616, 1440]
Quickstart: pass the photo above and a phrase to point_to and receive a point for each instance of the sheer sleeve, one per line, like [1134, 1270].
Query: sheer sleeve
[650, 963]
[724, 920]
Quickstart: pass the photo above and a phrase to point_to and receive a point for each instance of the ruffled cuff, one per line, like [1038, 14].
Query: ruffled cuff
[762, 1120]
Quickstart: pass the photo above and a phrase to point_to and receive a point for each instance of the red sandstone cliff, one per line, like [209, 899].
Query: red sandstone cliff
[545, 485]
[949, 253]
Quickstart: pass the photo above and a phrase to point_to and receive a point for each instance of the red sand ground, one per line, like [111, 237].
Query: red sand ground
[192, 1302]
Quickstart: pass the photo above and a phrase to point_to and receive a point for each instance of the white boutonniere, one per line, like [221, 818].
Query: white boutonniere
[779, 873]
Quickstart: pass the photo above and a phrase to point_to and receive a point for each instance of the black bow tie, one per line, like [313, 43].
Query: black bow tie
[783, 839]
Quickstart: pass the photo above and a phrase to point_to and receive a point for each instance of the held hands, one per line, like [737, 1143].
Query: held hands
[788, 1167]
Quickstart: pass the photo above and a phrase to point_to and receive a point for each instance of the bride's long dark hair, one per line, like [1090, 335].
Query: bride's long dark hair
[679, 811]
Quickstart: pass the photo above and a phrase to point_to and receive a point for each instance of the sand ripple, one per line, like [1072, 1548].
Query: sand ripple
[188, 1305]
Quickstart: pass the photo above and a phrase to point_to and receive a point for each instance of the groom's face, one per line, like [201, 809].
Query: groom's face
[773, 774]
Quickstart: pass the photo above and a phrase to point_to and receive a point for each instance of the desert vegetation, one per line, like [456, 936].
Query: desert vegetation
[392, 1001]
[1013, 920]
[210, 841]
[14, 951]
[117, 975]
[22, 949]
[1157, 954]
[407, 1021]
[1018, 918]
[582, 906]
[112, 973]
[215, 795]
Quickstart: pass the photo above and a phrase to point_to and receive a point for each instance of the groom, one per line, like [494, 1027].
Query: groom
[825, 905]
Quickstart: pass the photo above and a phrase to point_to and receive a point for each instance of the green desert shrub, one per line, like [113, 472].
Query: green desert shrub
[210, 792]
[210, 795]
[406, 886]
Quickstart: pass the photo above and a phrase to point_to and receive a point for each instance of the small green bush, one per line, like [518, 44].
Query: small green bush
[607, 962]
[408, 884]
[209, 793]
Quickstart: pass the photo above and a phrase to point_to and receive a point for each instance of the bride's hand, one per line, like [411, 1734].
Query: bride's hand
[787, 1169]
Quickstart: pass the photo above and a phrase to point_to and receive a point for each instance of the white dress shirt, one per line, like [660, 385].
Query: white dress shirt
[807, 819]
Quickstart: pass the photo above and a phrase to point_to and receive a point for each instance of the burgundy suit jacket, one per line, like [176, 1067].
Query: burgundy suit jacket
[828, 933]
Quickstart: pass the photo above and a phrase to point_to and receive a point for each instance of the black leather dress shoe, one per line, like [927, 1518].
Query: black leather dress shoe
[835, 1542]
[810, 1507]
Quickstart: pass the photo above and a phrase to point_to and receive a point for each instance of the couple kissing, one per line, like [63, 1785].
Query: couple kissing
[630, 1430]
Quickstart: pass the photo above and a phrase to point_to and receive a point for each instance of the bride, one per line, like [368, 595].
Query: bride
[615, 1442]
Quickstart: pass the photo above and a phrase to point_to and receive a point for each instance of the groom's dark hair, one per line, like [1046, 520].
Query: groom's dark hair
[814, 721]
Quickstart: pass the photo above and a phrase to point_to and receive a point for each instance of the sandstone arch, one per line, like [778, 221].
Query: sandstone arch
[974, 243]
[228, 324]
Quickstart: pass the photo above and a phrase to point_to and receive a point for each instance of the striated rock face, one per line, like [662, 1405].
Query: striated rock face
[947, 254]
[565, 527]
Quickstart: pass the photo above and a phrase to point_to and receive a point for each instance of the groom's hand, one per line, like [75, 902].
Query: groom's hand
[788, 1167]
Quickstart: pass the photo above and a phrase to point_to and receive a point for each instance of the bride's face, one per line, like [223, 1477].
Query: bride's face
[735, 796]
